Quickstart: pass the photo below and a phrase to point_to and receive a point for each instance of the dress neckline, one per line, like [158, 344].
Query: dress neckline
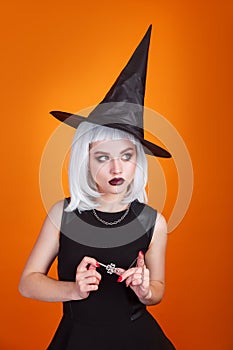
[111, 212]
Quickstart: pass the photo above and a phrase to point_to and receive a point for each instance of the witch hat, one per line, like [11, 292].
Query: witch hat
[122, 107]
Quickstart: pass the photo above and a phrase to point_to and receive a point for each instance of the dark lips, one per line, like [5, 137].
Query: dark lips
[116, 182]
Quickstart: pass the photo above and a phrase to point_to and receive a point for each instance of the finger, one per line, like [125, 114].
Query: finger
[119, 271]
[92, 273]
[88, 288]
[140, 260]
[89, 273]
[136, 277]
[136, 282]
[85, 262]
[90, 280]
[128, 273]
[141, 277]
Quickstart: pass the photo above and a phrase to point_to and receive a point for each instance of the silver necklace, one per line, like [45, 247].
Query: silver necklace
[110, 223]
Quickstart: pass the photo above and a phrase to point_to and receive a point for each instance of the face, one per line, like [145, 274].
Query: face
[112, 164]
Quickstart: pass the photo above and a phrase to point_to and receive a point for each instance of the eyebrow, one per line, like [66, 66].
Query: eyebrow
[125, 150]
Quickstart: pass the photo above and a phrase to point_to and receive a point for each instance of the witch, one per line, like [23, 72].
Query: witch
[110, 244]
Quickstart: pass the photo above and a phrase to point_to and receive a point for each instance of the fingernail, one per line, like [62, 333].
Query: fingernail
[119, 279]
[97, 264]
[141, 252]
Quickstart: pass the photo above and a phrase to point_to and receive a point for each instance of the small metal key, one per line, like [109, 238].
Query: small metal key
[111, 268]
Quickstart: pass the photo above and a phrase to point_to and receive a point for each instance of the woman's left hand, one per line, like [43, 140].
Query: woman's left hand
[138, 278]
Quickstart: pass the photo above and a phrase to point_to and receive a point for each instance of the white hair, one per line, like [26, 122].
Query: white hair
[83, 190]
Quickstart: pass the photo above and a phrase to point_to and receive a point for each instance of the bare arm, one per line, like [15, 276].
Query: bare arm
[147, 279]
[35, 283]
[155, 262]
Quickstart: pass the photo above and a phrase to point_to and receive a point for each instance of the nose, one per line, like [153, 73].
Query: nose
[116, 166]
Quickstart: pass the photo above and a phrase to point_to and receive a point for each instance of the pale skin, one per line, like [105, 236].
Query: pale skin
[107, 160]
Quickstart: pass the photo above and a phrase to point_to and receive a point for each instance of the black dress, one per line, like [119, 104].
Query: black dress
[111, 317]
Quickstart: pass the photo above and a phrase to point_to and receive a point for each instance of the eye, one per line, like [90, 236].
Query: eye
[127, 156]
[102, 159]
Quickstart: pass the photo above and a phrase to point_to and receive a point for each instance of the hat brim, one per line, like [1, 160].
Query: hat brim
[74, 121]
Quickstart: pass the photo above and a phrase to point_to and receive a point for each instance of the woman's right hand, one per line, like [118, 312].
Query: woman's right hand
[87, 278]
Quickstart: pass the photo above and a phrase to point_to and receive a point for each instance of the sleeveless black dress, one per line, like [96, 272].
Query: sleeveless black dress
[111, 317]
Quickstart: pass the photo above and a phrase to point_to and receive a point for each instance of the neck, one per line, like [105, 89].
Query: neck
[111, 204]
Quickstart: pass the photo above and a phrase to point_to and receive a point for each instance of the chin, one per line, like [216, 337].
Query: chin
[115, 191]
[123, 192]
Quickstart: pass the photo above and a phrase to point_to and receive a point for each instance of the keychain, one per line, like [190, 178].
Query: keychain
[111, 268]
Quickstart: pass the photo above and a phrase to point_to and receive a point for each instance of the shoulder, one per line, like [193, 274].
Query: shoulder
[55, 213]
[57, 207]
[161, 224]
[160, 230]
[158, 243]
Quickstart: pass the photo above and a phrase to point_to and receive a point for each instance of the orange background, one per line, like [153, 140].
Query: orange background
[65, 55]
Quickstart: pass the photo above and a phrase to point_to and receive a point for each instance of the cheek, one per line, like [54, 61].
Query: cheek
[131, 168]
[97, 170]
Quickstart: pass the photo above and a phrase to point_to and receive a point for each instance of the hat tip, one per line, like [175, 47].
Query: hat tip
[148, 32]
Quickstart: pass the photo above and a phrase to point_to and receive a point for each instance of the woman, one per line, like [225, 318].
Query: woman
[110, 245]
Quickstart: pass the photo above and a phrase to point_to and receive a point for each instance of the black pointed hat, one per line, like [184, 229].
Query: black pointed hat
[122, 107]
